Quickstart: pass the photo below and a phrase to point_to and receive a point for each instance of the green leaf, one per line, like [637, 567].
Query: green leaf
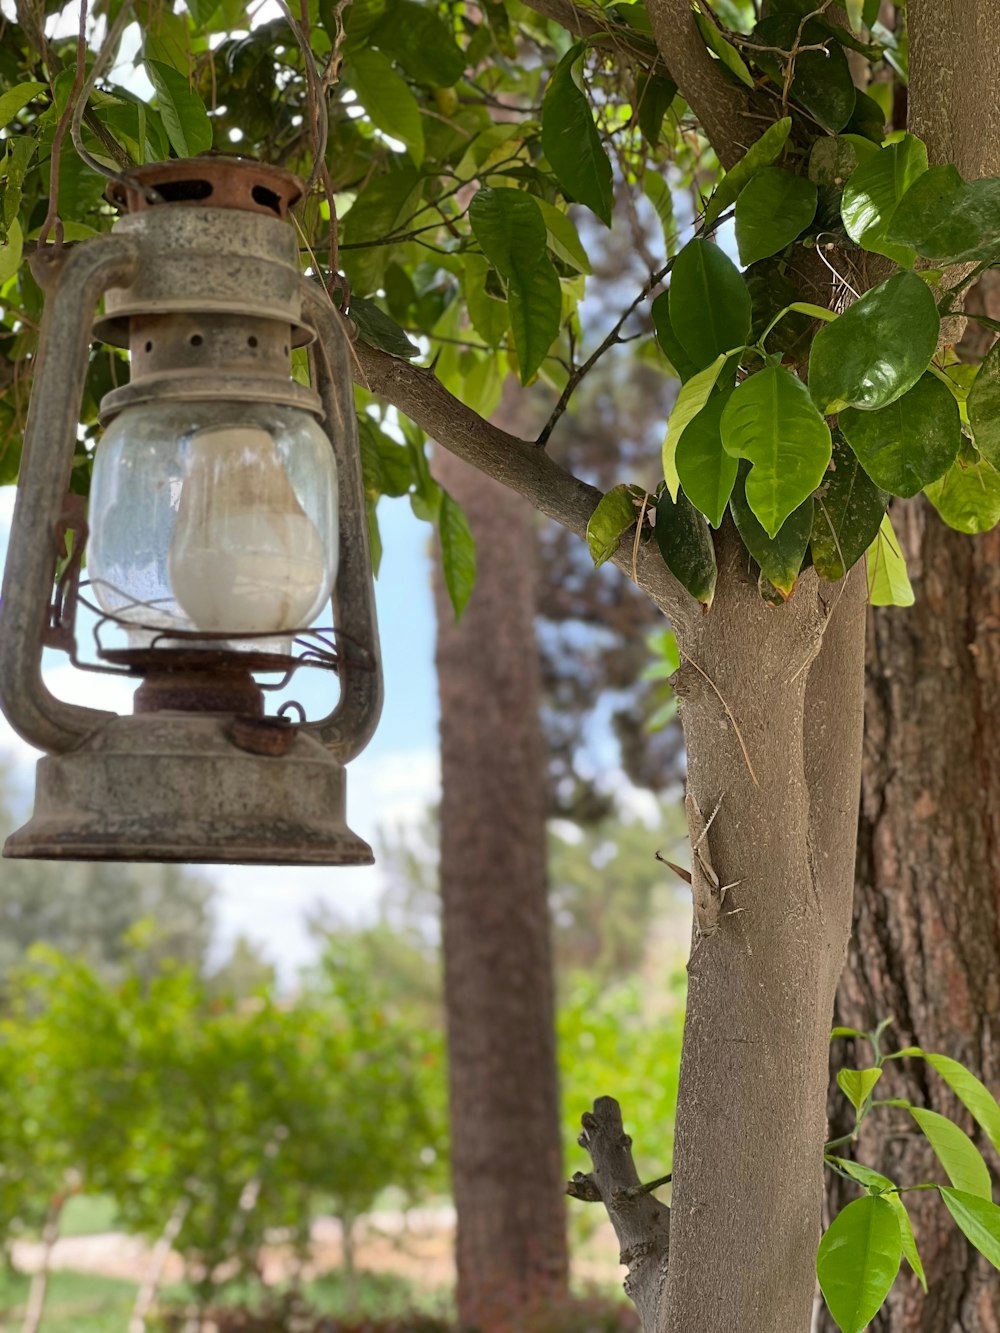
[779, 557]
[833, 160]
[614, 515]
[772, 210]
[181, 109]
[564, 239]
[968, 496]
[956, 1152]
[692, 398]
[391, 106]
[822, 82]
[706, 471]
[874, 1180]
[849, 513]
[943, 218]
[977, 1219]
[535, 315]
[855, 14]
[877, 349]
[17, 98]
[888, 581]
[685, 543]
[490, 316]
[765, 150]
[857, 1084]
[867, 119]
[873, 194]
[708, 301]
[858, 1259]
[20, 149]
[984, 407]
[683, 367]
[974, 1095]
[10, 251]
[910, 443]
[771, 421]
[378, 329]
[653, 96]
[728, 55]
[381, 206]
[418, 39]
[510, 230]
[570, 139]
[458, 553]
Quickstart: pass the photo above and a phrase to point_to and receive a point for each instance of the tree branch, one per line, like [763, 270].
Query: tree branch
[722, 107]
[641, 1223]
[590, 21]
[520, 464]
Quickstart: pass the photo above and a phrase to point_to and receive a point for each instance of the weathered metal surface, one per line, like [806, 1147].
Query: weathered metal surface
[174, 787]
[74, 284]
[220, 182]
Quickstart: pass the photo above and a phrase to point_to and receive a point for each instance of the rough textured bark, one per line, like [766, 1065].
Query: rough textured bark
[926, 945]
[506, 1154]
[779, 692]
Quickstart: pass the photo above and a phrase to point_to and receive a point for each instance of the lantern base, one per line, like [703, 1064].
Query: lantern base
[176, 787]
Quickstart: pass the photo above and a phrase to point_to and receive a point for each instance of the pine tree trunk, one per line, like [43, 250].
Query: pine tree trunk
[778, 692]
[506, 1152]
[926, 945]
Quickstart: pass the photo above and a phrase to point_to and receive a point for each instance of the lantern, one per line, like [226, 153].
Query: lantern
[226, 511]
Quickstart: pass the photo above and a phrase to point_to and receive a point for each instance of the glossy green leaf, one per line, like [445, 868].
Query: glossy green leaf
[858, 1259]
[943, 218]
[458, 553]
[685, 543]
[564, 239]
[873, 193]
[378, 329]
[727, 53]
[910, 443]
[971, 1092]
[510, 229]
[181, 109]
[857, 1084]
[614, 515]
[968, 496]
[387, 99]
[692, 398]
[822, 82]
[848, 515]
[855, 14]
[888, 581]
[17, 98]
[418, 39]
[771, 421]
[489, 314]
[984, 407]
[708, 301]
[10, 251]
[875, 1181]
[779, 557]
[570, 139]
[877, 349]
[706, 471]
[833, 160]
[773, 208]
[977, 1219]
[20, 149]
[956, 1152]
[535, 316]
[653, 96]
[684, 368]
[761, 153]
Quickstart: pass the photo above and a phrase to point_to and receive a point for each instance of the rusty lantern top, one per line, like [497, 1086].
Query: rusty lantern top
[209, 182]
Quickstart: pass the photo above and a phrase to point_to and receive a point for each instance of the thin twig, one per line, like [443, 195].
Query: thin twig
[52, 218]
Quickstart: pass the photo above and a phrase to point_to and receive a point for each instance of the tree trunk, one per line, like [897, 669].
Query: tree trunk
[926, 945]
[778, 691]
[506, 1153]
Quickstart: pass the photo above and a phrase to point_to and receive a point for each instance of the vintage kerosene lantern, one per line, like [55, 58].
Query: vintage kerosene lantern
[226, 512]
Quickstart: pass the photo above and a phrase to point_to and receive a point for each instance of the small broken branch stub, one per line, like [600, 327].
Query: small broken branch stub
[641, 1222]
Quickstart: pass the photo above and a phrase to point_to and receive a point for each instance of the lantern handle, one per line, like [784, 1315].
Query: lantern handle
[347, 730]
[74, 280]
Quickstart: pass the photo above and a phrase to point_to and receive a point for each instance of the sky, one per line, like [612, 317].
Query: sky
[388, 786]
